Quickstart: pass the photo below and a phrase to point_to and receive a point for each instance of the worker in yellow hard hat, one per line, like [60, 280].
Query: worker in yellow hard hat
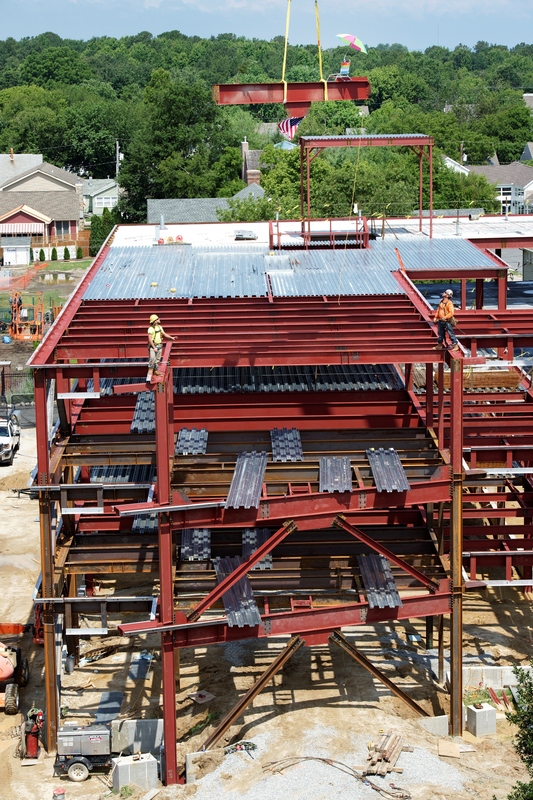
[156, 335]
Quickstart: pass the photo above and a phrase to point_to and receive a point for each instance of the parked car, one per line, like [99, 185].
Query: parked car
[9, 439]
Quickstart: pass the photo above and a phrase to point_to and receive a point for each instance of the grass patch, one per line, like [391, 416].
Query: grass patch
[210, 717]
[67, 266]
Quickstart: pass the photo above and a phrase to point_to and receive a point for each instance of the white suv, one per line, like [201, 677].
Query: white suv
[9, 439]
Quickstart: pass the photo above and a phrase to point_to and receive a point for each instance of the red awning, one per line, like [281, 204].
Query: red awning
[14, 228]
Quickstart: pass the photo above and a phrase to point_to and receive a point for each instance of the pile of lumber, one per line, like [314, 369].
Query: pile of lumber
[384, 753]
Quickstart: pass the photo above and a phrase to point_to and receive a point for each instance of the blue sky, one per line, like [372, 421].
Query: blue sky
[415, 23]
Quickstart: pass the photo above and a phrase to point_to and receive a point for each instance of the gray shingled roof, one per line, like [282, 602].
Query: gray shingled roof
[21, 162]
[506, 174]
[57, 205]
[199, 209]
[252, 190]
[94, 186]
[46, 169]
[527, 152]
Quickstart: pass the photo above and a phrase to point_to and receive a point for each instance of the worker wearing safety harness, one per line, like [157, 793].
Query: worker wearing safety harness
[156, 335]
[444, 315]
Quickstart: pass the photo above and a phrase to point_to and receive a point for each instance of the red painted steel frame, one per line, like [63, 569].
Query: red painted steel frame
[297, 97]
[311, 146]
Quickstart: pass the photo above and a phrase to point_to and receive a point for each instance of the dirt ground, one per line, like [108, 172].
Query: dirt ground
[320, 691]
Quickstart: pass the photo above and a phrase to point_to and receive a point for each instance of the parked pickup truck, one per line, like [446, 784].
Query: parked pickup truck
[9, 439]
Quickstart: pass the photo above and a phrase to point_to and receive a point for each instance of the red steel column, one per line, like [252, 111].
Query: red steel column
[429, 395]
[420, 193]
[430, 148]
[163, 419]
[456, 545]
[302, 206]
[502, 289]
[47, 559]
[440, 404]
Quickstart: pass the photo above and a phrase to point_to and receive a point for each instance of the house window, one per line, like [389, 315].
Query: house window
[62, 227]
[105, 202]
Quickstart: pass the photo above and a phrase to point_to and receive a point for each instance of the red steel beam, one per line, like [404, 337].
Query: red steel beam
[297, 97]
[238, 573]
[299, 620]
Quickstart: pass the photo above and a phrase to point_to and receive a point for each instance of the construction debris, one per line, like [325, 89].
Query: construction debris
[384, 753]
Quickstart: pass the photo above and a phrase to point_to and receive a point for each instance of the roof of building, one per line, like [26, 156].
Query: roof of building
[12, 166]
[506, 174]
[94, 186]
[56, 205]
[253, 158]
[183, 271]
[59, 174]
[252, 190]
[198, 209]
[527, 152]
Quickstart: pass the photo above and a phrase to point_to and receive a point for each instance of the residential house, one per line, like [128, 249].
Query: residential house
[527, 152]
[199, 209]
[40, 200]
[514, 185]
[99, 193]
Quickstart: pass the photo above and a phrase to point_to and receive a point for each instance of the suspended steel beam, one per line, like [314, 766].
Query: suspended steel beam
[337, 638]
[297, 97]
[292, 646]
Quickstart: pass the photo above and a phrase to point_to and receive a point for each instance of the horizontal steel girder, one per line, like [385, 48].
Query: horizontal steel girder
[302, 621]
[296, 96]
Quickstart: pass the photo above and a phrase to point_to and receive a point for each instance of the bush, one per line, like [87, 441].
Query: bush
[66, 254]
[32, 257]
[79, 252]
[54, 254]
[522, 717]
[41, 254]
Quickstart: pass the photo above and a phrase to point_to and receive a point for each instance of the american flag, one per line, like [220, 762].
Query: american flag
[289, 126]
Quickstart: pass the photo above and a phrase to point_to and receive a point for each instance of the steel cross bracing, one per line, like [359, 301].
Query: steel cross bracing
[445, 437]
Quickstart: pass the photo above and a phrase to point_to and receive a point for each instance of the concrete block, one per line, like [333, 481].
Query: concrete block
[129, 736]
[199, 764]
[438, 726]
[138, 771]
[481, 721]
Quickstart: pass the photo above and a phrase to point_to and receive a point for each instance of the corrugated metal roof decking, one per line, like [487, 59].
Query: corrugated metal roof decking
[387, 470]
[247, 480]
[378, 581]
[226, 380]
[251, 271]
[239, 601]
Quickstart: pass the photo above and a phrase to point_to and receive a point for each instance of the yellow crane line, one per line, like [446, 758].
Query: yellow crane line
[317, 17]
[284, 66]
[287, 24]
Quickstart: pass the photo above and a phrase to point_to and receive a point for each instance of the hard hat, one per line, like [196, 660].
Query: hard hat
[154, 318]
[448, 292]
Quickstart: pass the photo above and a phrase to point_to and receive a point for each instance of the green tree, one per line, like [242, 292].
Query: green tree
[522, 717]
[79, 253]
[97, 238]
[53, 257]
[41, 255]
[66, 254]
[53, 66]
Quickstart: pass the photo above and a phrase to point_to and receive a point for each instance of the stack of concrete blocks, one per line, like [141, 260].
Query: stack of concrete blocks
[140, 770]
[481, 721]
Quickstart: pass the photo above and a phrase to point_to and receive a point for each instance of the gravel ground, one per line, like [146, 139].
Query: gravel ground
[316, 780]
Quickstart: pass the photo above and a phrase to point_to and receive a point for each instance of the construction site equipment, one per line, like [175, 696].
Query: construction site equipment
[80, 750]
[9, 439]
[14, 674]
[27, 319]
[31, 733]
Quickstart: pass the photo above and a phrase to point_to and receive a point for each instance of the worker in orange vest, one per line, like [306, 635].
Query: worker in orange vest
[443, 316]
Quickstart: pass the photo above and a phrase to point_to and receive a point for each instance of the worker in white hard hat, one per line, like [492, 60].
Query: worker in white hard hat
[444, 316]
[156, 336]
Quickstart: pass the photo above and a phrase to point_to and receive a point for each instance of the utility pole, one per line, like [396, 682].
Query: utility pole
[117, 158]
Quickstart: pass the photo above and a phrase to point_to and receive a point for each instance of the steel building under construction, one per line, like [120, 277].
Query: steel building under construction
[305, 461]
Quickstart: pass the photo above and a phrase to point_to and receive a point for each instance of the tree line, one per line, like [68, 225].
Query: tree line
[71, 100]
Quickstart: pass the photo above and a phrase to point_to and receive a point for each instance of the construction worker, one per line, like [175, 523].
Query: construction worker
[156, 335]
[443, 315]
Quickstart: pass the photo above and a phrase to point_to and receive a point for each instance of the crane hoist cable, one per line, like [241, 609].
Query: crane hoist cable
[284, 66]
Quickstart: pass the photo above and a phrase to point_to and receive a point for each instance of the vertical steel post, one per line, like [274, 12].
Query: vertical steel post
[163, 419]
[429, 395]
[456, 545]
[463, 294]
[440, 404]
[430, 148]
[47, 558]
[420, 192]
[479, 293]
[302, 201]
[429, 632]
[440, 633]
[308, 176]
[502, 289]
